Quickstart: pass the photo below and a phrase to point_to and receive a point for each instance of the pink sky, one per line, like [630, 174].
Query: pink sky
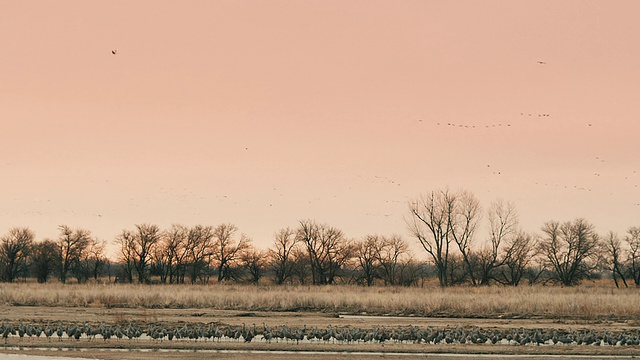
[263, 113]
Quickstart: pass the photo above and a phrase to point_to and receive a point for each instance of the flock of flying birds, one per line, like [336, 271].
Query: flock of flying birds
[185, 197]
[532, 115]
[540, 115]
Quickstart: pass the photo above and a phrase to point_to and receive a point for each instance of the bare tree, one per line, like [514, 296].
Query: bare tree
[429, 223]
[99, 259]
[226, 249]
[91, 262]
[145, 239]
[136, 250]
[43, 259]
[162, 262]
[175, 253]
[365, 253]
[536, 272]
[71, 248]
[457, 270]
[503, 224]
[465, 222]
[517, 254]
[612, 257]
[633, 241]
[199, 248]
[391, 255]
[280, 255]
[569, 250]
[440, 218]
[409, 272]
[327, 248]
[15, 247]
[254, 262]
[301, 265]
[126, 254]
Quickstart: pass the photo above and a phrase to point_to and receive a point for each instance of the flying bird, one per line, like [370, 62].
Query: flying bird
[542, 63]
[114, 51]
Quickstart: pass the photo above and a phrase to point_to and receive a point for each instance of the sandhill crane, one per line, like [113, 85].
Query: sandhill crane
[48, 331]
[21, 331]
[59, 332]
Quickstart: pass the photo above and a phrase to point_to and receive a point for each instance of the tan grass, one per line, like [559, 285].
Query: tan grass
[599, 302]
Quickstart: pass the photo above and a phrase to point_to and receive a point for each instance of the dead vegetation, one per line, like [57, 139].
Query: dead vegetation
[597, 302]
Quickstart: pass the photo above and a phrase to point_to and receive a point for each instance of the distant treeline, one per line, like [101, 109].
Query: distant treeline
[443, 222]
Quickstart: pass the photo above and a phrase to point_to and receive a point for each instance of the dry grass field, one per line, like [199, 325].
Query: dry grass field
[584, 302]
[599, 308]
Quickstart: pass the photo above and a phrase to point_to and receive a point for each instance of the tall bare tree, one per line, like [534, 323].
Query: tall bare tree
[280, 255]
[15, 247]
[226, 249]
[633, 241]
[611, 257]
[98, 258]
[327, 248]
[136, 250]
[199, 248]
[126, 255]
[175, 253]
[465, 222]
[569, 250]
[72, 246]
[365, 252]
[430, 224]
[439, 218]
[146, 237]
[391, 254]
[503, 226]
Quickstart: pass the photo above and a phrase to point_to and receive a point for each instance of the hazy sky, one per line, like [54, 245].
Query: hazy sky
[263, 113]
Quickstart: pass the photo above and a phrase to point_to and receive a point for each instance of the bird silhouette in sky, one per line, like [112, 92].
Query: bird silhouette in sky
[542, 63]
[113, 52]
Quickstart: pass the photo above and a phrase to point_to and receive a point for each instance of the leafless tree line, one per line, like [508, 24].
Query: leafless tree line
[181, 253]
[446, 224]
[621, 256]
[74, 254]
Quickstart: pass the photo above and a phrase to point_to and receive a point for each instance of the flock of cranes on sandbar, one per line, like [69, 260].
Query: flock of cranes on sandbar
[330, 334]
